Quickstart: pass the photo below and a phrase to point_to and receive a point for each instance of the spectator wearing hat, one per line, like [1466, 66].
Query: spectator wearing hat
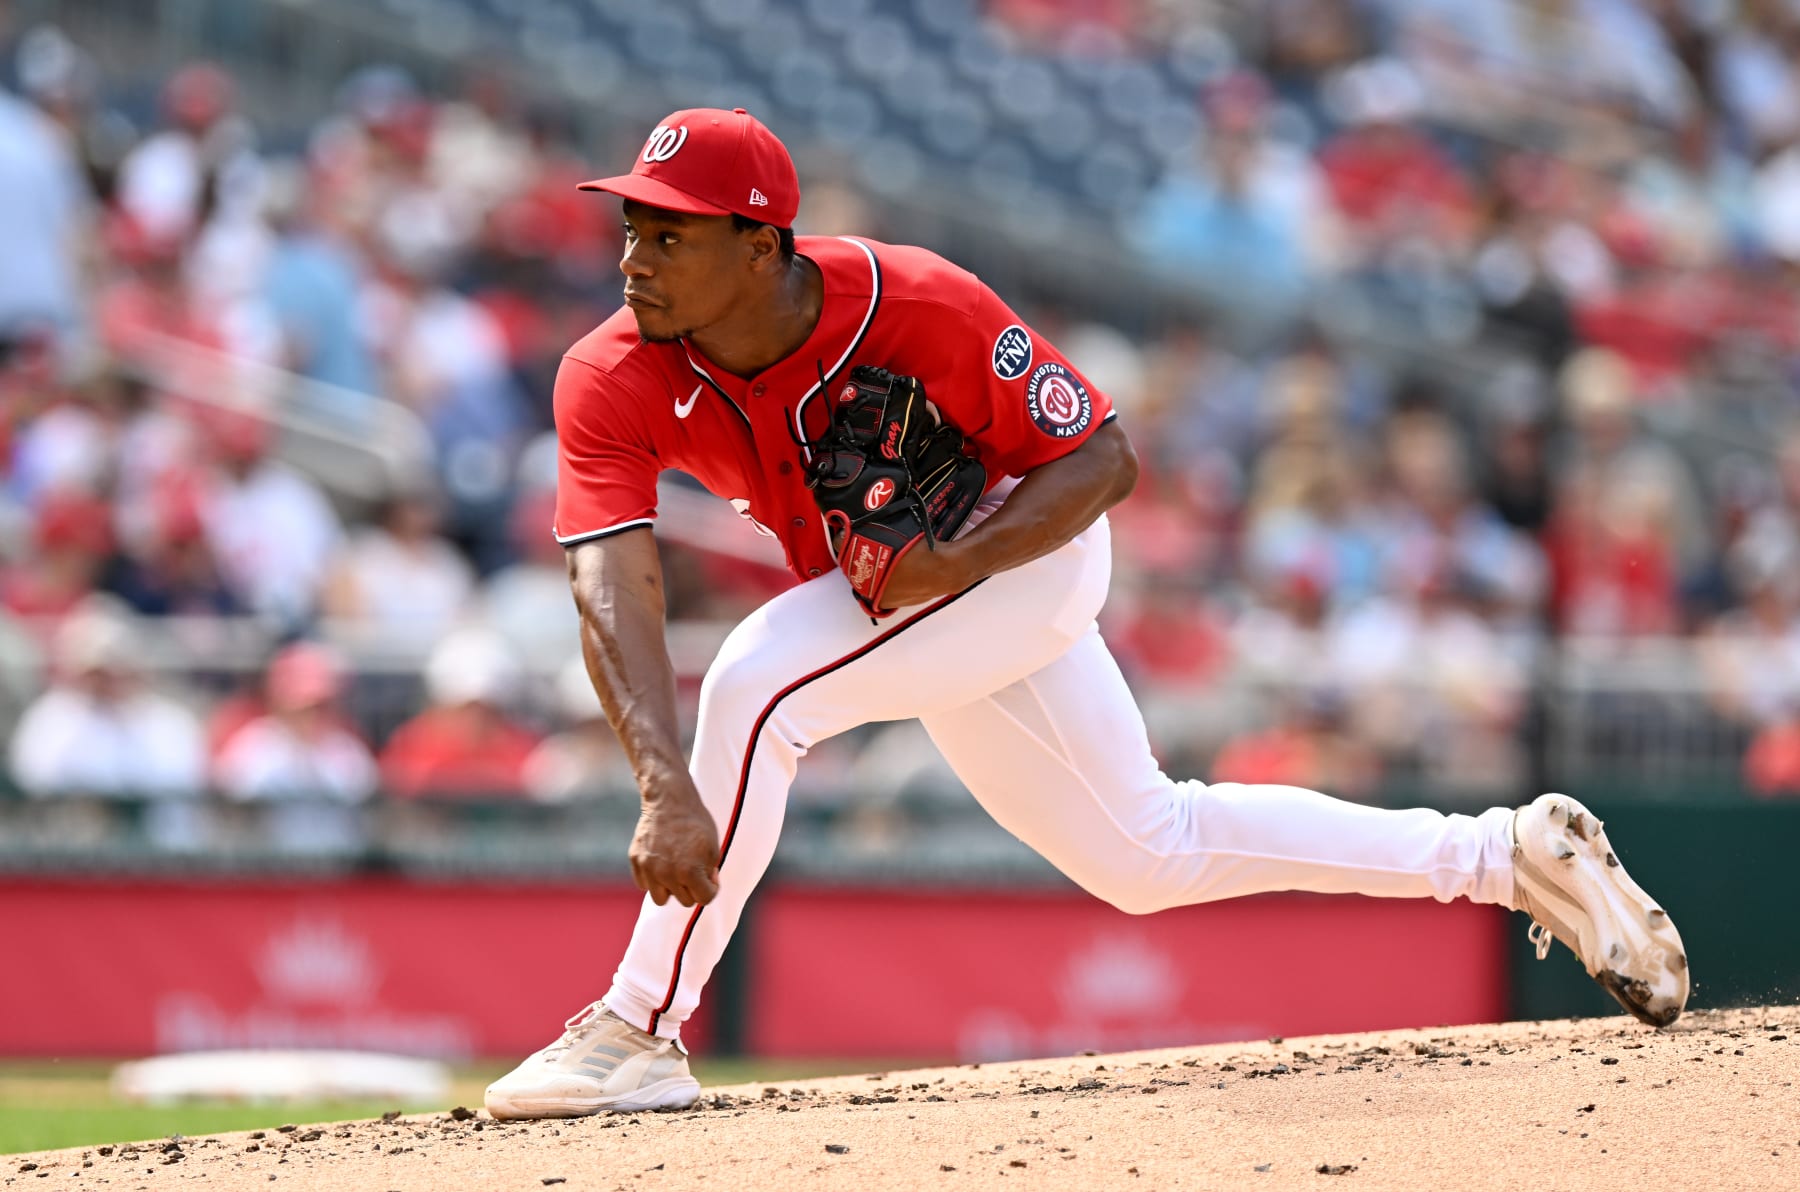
[300, 747]
[99, 729]
[465, 745]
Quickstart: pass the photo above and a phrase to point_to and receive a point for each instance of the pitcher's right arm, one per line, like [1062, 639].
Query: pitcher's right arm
[618, 589]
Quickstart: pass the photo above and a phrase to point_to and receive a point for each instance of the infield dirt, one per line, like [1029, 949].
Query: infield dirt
[1594, 1103]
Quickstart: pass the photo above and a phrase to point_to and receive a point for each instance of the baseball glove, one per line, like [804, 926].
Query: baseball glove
[888, 473]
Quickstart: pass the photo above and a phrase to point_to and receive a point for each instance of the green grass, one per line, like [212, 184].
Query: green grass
[45, 1106]
[43, 1128]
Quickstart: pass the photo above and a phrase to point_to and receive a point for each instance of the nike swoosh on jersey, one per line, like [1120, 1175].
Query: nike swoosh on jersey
[682, 408]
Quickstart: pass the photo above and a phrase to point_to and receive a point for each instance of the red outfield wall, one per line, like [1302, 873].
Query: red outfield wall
[130, 968]
[461, 969]
[1007, 975]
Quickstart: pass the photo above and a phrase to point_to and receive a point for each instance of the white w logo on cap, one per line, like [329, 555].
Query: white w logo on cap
[664, 142]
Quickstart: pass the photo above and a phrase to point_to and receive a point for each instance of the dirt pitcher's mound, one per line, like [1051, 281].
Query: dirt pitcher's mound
[1600, 1103]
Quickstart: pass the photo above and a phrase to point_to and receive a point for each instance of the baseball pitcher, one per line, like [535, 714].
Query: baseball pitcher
[938, 475]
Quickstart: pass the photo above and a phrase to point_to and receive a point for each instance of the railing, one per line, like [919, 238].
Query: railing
[1632, 721]
[1645, 718]
[500, 839]
[360, 447]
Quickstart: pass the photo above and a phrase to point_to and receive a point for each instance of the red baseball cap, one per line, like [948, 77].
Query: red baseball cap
[707, 161]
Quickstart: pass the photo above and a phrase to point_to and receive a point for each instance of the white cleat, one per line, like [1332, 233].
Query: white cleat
[602, 1064]
[1568, 880]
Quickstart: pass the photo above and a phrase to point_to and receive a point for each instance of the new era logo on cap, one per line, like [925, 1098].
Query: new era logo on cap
[707, 161]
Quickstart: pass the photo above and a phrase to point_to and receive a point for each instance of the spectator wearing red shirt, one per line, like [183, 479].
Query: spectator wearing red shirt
[150, 300]
[72, 536]
[465, 745]
[1612, 560]
[1630, 522]
[1663, 315]
[1168, 638]
[1306, 746]
[1387, 178]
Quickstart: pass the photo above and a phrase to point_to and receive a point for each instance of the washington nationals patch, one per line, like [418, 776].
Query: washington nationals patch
[1058, 402]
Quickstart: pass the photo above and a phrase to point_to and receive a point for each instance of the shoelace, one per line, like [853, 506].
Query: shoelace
[1541, 938]
[574, 1029]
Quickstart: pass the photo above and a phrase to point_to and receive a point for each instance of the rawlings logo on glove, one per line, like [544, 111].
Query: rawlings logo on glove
[887, 474]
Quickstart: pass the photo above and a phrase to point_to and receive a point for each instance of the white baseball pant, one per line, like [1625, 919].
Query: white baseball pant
[1016, 687]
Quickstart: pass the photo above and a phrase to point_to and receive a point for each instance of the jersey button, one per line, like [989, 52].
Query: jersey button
[799, 523]
[813, 571]
[784, 467]
[758, 389]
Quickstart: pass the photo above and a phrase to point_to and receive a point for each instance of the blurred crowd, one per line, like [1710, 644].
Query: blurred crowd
[1338, 571]
[1605, 196]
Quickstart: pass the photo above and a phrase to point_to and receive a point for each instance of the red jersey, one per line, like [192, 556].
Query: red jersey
[626, 409]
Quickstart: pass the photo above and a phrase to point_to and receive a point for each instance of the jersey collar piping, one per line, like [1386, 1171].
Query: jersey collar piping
[856, 342]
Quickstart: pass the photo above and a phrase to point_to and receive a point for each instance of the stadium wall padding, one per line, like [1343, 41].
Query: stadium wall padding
[463, 969]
